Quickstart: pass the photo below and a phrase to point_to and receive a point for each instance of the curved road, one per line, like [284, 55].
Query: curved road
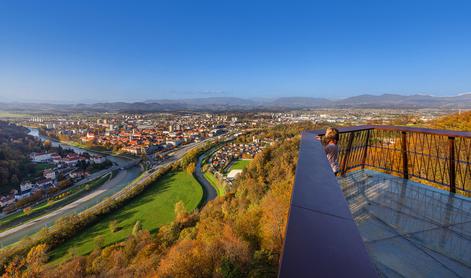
[111, 188]
[209, 191]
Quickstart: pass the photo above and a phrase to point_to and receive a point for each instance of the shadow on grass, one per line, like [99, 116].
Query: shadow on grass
[127, 211]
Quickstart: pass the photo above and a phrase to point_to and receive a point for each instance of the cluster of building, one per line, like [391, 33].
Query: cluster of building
[356, 116]
[138, 134]
[221, 159]
[63, 167]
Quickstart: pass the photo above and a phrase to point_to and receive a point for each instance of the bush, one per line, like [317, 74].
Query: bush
[137, 227]
[27, 210]
[113, 225]
[99, 242]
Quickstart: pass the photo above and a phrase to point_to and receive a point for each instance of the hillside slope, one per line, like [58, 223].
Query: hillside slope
[238, 235]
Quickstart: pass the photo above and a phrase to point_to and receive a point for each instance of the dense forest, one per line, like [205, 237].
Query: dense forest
[15, 147]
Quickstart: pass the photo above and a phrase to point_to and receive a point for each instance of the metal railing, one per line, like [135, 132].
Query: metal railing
[321, 236]
[434, 157]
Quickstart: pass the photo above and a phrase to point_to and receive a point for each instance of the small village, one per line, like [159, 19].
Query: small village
[229, 161]
[59, 169]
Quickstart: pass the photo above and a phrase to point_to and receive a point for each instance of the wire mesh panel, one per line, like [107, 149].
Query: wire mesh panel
[384, 151]
[429, 157]
[352, 149]
[433, 157]
[463, 163]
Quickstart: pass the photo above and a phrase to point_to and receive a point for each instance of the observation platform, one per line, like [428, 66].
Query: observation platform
[410, 229]
[398, 208]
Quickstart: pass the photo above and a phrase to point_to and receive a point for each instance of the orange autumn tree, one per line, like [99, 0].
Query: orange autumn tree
[237, 235]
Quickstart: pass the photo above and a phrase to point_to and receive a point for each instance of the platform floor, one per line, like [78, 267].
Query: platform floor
[410, 229]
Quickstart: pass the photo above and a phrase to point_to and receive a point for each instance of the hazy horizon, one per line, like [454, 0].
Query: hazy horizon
[176, 99]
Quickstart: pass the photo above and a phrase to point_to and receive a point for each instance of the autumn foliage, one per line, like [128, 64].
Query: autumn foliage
[457, 121]
[237, 235]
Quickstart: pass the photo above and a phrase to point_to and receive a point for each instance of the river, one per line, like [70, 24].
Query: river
[123, 178]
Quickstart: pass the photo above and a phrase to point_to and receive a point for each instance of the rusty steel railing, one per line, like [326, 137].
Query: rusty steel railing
[321, 235]
[440, 158]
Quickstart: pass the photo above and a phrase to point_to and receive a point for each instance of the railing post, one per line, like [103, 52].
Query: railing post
[405, 162]
[363, 161]
[347, 152]
[451, 168]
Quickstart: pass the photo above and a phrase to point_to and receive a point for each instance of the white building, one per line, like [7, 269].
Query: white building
[40, 157]
[233, 174]
[98, 159]
[23, 195]
[26, 186]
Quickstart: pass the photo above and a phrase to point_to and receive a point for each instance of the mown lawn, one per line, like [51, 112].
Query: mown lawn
[215, 183]
[43, 166]
[5, 114]
[239, 164]
[40, 167]
[154, 208]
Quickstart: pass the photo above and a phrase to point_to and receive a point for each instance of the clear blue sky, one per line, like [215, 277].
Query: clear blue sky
[137, 50]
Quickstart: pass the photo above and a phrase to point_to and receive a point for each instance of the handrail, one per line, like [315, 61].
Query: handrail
[436, 157]
[442, 132]
[321, 237]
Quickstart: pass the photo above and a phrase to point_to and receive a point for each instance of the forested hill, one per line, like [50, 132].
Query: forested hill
[15, 147]
[237, 235]
[459, 121]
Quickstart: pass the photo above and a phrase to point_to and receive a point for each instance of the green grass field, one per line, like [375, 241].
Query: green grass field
[43, 166]
[239, 165]
[215, 183]
[39, 168]
[5, 114]
[154, 208]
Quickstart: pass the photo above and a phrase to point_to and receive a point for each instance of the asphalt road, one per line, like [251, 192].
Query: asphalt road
[209, 191]
[114, 186]
[110, 188]
[30, 227]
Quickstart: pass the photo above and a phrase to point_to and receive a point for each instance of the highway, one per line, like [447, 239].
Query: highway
[111, 188]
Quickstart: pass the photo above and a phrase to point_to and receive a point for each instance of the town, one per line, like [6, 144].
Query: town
[151, 137]
[144, 134]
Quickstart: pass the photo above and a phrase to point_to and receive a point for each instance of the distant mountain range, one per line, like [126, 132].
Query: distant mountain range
[240, 104]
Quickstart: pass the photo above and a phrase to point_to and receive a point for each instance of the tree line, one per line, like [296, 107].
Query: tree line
[15, 147]
[12, 258]
[237, 235]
